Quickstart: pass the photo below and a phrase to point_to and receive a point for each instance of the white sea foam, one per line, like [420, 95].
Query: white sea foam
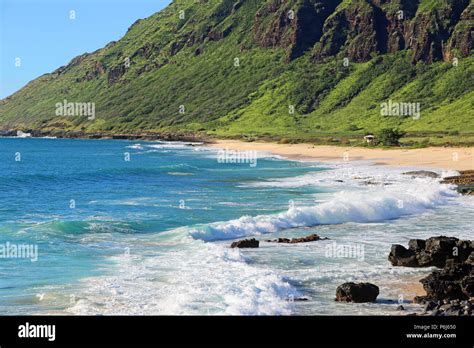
[166, 145]
[370, 204]
[194, 278]
[135, 146]
[344, 174]
[447, 173]
[173, 145]
[213, 153]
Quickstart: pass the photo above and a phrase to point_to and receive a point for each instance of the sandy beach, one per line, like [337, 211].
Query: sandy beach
[409, 286]
[449, 158]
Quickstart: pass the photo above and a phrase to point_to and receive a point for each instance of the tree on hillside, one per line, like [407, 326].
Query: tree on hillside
[390, 137]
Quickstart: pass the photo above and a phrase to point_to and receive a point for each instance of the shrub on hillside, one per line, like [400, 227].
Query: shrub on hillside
[390, 137]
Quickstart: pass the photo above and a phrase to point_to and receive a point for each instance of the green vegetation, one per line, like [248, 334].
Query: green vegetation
[390, 137]
[429, 5]
[229, 86]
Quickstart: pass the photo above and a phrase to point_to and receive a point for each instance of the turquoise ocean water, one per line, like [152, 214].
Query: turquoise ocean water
[151, 235]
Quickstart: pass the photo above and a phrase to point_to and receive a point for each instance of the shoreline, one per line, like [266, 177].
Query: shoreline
[410, 286]
[185, 136]
[447, 158]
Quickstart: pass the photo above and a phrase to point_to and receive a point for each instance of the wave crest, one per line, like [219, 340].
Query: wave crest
[386, 203]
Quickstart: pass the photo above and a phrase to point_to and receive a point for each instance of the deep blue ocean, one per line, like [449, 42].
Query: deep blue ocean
[134, 227]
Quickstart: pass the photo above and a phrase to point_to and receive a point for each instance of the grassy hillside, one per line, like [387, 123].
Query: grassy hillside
[243, 68]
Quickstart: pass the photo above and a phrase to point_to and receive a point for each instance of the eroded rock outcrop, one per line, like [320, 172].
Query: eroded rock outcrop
[283, 24]
[97, 69]
[353, 30]
[116, 73]
[460, 42]
[363, 28]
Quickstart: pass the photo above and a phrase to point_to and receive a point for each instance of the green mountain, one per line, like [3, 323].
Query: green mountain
[296, 69]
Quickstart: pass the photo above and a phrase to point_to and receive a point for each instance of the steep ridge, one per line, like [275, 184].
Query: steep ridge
[284, 68]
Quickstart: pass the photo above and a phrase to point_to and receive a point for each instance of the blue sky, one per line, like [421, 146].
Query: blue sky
[41, 34]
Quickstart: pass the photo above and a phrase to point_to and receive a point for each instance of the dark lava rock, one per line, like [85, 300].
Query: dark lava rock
[400, 256]
[8, 133]
[447, 307]
[430, 305]
[422, 174]
[301, 299]
[416, 244]
[467, 285]
[450, 290]
[470, 259]
[464, 178]
[400, 308]
[447, 283]
[435, 251]
[310, 238]
[464, 182]
[246, 243]
[357, 292]
[420, 299]
[453, 309]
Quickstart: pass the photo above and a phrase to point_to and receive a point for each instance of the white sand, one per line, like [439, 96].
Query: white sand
[454, 158]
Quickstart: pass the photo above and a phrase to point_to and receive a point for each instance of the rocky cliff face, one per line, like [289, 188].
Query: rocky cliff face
[288, 24]
[359, 29]
[352, 30]
[428, 32]
[460, 41]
